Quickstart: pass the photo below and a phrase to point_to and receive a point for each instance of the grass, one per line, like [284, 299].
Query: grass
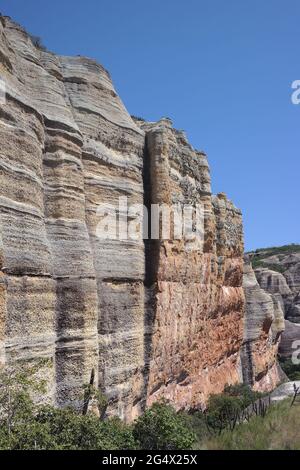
[278, 430]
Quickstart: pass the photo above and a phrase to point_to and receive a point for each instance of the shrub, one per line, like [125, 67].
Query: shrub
[85, 432]
[37, 42]
[138, 118]
[290, 369]
[161, 428]
[224, 409]
[279, 429]
[25, 425]
[243, 392]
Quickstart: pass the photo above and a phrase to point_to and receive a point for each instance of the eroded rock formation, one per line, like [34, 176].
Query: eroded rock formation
[278, 272]
[196, 316]
[153, 318]
[264, 325]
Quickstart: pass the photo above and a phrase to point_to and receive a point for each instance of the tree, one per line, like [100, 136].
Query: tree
[17, 408]
[26, 425]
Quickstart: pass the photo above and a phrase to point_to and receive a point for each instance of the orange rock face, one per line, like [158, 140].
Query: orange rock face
[156, 318]
[196, 301]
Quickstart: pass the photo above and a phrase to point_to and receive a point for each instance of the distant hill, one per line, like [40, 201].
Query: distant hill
[261, 256]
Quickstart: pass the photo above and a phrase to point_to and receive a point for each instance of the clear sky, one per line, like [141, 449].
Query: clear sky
[221, 70]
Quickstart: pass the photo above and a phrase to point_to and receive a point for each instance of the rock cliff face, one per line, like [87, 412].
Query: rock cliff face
[264, 325]
[278, 272]
[153, 318]
[195, 296]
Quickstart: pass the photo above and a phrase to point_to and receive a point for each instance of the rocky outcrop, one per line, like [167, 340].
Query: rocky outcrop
[195, 297]
[153, 317]
[278, 271]
[264, 324]
[67, 144]
[290, 341]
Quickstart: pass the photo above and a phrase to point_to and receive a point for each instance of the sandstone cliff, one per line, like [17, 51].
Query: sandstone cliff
[264, 325]
[278, 272]
[153, 318]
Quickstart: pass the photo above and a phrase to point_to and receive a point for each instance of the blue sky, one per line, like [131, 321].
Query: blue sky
[222, 70]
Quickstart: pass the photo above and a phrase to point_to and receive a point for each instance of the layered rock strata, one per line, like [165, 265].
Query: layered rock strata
[264, 325]
[160, 317]
[67, 144]
[278, 271]
[290, 341]
[194, 293]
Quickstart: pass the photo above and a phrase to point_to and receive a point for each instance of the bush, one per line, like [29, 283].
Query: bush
[138, 118]
[161, 428]
[37, 42]
[278, 430]
[78, 432]
[24, 425]
[196, 422]
[224, 409]
[290, 369]
[259, 256]
[243, 393]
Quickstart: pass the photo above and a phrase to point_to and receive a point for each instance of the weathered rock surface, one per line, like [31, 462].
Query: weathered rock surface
[196, 316]
[284, 391]
[153, 318]
[290, 341]
[264, 324]
[67, 144]
[278, 271]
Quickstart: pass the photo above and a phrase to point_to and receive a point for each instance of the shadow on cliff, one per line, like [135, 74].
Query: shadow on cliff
[152, 254]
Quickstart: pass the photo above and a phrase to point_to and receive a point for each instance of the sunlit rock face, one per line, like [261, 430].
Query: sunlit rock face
[278, 273]
[67, 144]
[264, 325]
[290, 341]
[195, 299]
[154, 318]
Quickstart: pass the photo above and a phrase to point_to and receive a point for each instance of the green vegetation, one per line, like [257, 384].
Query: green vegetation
[138, 118]
[257, 263]
[291, 370]
[25, 425]
[279, 250]
[37, 42]
[160, 427]
[259, 256]
[224, 409]
[279, 429]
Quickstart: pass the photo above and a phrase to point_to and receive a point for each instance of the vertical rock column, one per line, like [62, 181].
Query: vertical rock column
[2, 305]
[194, 307]
[112, 155]
[26, 262]
[72, 263]
[51, 288]
[264, 323]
